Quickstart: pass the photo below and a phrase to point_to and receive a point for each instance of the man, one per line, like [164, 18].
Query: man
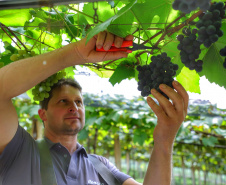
[63, 118]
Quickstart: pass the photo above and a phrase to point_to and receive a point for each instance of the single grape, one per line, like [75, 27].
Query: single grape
[224, 64]
[223, 52]
[14, 57]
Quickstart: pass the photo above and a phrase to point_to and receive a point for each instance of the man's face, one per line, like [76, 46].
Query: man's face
[66, 113]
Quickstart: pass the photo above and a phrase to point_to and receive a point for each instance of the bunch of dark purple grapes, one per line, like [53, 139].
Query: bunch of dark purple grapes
[209, 24]
[160, 71]
[190, 50]
[186, 6]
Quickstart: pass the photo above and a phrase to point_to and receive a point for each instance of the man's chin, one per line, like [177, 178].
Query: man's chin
[72, 131]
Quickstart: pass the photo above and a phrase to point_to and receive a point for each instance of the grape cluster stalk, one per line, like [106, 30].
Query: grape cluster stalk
[209, 24]
[160, 71]
[186, 6]
[190, 50]
[41, 91]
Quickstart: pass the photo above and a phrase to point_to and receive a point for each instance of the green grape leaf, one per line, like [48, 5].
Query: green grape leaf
[83, 134]
[213, 66]
[11, 48]
[6, 59]
[40, 13]
[104, 11]
[30, 109]
[220, 131]
[139, 137]
[189, 79]
[14, 17]
[160, 8]
[122, 25]
[70, 71]
[50, 39]
[103, 26]
[123, 71]
[211, 141]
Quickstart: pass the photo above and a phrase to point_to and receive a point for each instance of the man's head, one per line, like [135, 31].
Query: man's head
[63, 113]
[61, 82]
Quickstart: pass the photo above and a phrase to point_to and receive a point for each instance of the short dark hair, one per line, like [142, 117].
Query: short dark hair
[64, 81]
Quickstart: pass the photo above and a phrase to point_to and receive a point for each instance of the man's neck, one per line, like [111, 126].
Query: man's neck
[68, 141]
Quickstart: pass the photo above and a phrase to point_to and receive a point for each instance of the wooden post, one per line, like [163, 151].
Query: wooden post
[117, 149]
[37, 129]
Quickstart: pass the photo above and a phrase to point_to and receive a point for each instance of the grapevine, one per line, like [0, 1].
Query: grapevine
[160, 71]
[41, 90]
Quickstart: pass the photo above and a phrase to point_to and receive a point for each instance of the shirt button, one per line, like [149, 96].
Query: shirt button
[65, 155]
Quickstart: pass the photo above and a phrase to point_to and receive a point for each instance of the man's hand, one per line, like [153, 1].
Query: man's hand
[170, 115]
[88, 53]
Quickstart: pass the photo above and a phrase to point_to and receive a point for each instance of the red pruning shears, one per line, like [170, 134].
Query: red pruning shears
[126, 47]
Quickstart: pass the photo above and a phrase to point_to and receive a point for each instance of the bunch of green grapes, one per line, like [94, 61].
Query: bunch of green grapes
[22, 54]
[41, 90]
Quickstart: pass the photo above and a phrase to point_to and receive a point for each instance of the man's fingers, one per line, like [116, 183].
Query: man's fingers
[179, 98]
[109, 40]
[105, 39]
[164, 103]
[100, 39]
[118, 41]
[156, 108]
[129, 37]
[182, 92]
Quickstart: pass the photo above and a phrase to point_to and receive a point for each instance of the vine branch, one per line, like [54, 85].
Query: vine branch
[206, 133]
[10, 37]
[2, 25]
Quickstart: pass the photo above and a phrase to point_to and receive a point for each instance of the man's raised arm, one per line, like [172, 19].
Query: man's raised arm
[170, 117]
[18, 77]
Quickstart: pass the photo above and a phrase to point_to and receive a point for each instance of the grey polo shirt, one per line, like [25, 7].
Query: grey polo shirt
[20, 164]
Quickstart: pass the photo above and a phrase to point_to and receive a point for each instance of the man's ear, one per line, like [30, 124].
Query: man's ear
[42, 114]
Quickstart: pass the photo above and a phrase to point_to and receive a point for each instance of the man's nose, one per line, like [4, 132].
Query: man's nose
[73, 107]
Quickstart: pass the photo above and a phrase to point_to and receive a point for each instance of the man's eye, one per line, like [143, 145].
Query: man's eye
[78, 102]
[63, 100]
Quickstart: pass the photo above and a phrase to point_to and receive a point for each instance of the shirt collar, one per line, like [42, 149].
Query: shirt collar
[79, 149]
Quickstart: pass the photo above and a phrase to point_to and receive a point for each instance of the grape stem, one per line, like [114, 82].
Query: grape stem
[33, 39]
[98, 66]
[2, 25]
[178, 18]
[172, 30]
[9, 36]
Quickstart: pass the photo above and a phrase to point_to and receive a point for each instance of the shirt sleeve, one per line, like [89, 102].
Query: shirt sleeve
[122, 177]
[12, 150]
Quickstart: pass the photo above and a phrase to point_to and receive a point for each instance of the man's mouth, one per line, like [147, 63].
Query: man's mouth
[72, 117]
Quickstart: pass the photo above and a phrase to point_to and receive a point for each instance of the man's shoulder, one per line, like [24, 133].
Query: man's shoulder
[22, 142]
